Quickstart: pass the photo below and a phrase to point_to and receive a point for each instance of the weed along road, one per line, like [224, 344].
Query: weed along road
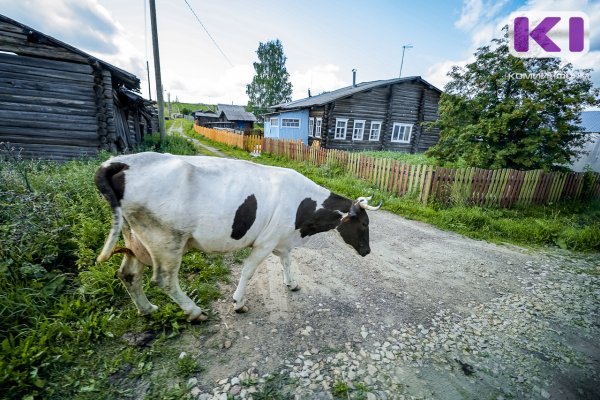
[428, 314]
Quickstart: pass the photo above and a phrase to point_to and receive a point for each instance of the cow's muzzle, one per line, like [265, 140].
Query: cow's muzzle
[364, 252]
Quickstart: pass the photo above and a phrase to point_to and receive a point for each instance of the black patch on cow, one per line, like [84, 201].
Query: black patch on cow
[337, 202]
[311, 221]
[110, 181]
[354, 229]
[244, 218]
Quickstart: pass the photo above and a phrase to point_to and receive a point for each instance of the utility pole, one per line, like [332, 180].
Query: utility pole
[149, 88]
[406, 46]
[159, 91]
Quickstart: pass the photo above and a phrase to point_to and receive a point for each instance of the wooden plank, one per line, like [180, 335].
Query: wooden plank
[10, 115]
[46, 63]
[425, 197]
[24, 48]
[32, 125]
[422, 181]
[45, 108]
[91, 141]
[46, 73]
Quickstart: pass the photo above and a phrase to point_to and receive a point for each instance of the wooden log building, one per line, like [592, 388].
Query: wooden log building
[378, 115]
[58, 102]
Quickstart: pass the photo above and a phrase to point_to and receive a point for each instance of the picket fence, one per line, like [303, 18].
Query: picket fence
[490, 188]
[247, 142]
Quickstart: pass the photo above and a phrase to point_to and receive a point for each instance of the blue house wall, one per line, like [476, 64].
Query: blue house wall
[288, 133]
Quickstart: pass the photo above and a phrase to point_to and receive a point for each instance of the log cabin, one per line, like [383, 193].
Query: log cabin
[60, 103]
[368, 116]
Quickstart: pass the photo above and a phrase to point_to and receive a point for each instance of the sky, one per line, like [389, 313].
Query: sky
[323, 40]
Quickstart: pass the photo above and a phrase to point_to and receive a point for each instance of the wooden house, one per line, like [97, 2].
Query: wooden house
[58, 102]
[205, 117]
[378, 115]
[236, 117]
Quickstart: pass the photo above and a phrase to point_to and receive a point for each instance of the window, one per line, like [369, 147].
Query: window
[274, 122]
[375, 130]
[340, 128]
[290, 122]
[401, 132]
[318, 127]
[311, 125]
[359, 130]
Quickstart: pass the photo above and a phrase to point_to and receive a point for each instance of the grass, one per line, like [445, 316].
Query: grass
[573, 226]
[61, 314]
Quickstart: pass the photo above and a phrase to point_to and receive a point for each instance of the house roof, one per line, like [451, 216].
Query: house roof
[205, 113]
[348, 91]
[235, 113]
[129, 80]
[590, 121]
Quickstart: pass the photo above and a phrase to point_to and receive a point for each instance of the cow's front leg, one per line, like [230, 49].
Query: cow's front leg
[288, 276]
[167, 278]
[257, 256]
[131, 273]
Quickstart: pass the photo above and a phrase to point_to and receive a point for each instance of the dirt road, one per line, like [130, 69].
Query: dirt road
[428, 314]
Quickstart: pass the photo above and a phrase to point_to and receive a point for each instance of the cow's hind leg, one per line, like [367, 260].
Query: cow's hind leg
[257, 256]
[288, 276]
[131, 273]
[166, 276]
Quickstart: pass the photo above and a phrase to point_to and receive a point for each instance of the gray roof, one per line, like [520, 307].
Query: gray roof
[235, 113]
[590, 121]
[328, 97]
[205, 113]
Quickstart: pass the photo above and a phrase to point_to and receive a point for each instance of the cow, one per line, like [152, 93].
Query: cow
[167, 204]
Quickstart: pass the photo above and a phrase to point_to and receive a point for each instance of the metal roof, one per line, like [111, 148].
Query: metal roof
[205, 113]
[235, 113]
[590, 121]
[328, 97]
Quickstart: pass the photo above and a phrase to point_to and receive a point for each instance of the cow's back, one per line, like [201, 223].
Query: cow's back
[221, 204]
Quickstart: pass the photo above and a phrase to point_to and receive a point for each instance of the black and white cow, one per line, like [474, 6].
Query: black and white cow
[166, 204]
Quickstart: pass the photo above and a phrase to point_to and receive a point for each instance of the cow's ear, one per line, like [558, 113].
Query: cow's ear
[353, 213]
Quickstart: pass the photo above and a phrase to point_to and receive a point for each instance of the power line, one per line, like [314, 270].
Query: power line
[206, 30]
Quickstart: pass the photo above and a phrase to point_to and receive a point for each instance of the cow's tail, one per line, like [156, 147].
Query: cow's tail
[110, 180]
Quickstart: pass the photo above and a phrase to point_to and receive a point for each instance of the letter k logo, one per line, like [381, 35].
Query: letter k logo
[539, 34]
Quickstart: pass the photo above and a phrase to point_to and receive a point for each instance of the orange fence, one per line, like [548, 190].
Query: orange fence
[246, 142]
[501, 188]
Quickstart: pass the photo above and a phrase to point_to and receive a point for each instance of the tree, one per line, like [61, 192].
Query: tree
[502, 111]
[271, 84]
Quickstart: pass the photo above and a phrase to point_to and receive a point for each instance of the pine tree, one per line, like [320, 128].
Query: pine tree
[501, 111]
[270, 84]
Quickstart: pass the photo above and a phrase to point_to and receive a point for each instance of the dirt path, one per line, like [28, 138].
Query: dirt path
[428, 314]
[179, 129]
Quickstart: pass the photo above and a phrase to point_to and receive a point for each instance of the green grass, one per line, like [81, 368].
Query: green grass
[178, 107]
[59, 310]
[573, 226]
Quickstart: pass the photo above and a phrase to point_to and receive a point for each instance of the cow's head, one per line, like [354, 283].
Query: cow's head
[354, 227]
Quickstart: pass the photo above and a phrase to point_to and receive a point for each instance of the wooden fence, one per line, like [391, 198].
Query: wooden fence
[499, 188]
[246, 142]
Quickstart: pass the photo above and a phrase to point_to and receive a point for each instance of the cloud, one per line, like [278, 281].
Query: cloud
[319, 79]
[470, 14]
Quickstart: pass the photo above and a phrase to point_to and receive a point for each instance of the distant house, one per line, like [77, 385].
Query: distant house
[58, 102]
[378, 115]
[239, 118]
[590, 124]
[226, 117]
[205, 117]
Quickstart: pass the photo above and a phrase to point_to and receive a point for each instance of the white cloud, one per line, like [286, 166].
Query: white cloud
[471, 12]
[320, 78]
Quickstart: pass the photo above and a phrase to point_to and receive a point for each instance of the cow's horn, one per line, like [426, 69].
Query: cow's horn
[371, 208]
[364, 203]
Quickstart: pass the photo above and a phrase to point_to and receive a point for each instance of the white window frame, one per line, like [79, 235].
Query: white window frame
[318, 126]
[358, 134]
[377, 131]
[311, 126]
[290, 123]
[276, 124]
[343, 129]
[400, 126]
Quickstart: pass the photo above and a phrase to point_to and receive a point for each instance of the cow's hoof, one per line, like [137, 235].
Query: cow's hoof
[241, 310]
[197, 315]
[148, 312]
[294, 288]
